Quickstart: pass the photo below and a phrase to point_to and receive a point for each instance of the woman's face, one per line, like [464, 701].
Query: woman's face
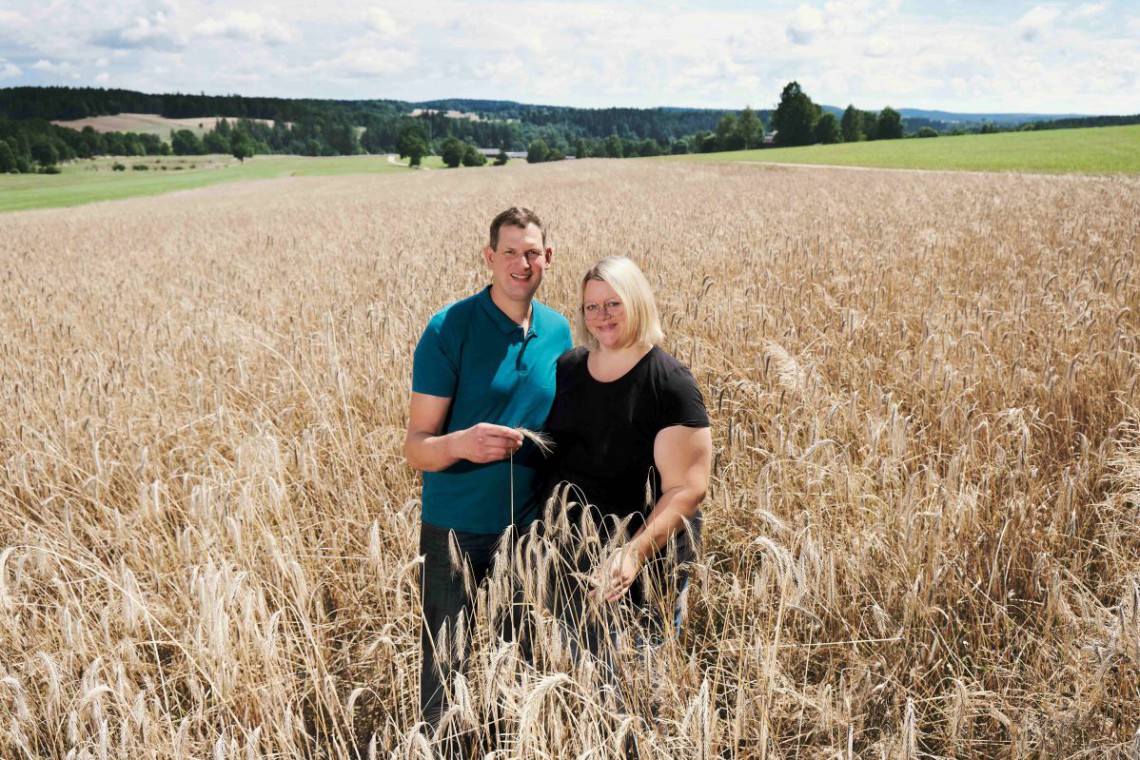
[605, 314]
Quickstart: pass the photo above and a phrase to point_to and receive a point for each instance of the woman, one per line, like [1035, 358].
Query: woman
[631, 434]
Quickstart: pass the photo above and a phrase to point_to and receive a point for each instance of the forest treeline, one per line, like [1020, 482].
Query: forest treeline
[331, 127]
[29, 141]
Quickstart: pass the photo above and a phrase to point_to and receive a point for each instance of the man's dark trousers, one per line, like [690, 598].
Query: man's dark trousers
[444, 598]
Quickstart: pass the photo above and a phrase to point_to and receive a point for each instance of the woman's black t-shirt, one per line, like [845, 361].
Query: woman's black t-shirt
[604, 432]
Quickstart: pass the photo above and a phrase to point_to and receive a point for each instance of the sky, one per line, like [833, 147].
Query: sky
[966, 56]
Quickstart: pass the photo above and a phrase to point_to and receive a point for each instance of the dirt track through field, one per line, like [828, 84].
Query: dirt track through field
[780, 164]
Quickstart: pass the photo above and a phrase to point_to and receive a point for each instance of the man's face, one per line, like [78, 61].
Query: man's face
[518, 263]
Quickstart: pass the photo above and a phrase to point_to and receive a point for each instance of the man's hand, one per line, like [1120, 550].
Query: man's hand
[428, 449]
[485, 442]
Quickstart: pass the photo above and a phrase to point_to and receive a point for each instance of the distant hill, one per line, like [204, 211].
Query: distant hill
[977, 118]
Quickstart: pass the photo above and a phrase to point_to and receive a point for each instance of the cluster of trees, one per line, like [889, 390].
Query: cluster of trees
[734, 131]
[564, 124]
[311, 136]
[565, 131]
[454, 152]
[611, 147]
[799, 121]
[795, 121]
[743, 131]
[36, 145]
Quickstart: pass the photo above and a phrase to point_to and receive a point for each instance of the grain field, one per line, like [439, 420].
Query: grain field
[922, 537]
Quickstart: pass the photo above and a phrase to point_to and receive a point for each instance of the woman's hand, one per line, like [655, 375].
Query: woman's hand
[620, 571]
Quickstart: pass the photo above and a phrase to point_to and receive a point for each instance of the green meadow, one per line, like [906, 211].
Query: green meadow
[1104, 150]
[91, 181]
[1101, 150]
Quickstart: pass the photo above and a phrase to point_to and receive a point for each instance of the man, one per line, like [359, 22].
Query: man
[483, 367]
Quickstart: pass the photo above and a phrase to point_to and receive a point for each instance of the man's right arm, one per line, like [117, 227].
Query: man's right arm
[429, 449]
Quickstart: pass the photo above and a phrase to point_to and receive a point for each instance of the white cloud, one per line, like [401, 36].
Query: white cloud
[806, 23]
[877, 47]
[1088, 10]
[381, 22]
[11, 18]
[102, 78]
[15, 30]
[102, 63]
[9, 70]
[59, 68]
[857, 16]
[244, 26]
[156, 32]
[505, 69]
[1036, 23]
[366, 62]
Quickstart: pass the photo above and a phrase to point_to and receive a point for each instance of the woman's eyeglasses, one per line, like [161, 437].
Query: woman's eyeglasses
[612, 307]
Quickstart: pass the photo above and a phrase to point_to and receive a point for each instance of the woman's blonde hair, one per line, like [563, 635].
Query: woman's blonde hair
[642, 325]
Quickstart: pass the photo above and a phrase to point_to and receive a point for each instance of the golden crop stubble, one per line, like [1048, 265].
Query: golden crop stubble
[919, 537]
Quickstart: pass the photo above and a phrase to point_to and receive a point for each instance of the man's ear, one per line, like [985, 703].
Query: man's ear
[549, 256]
[487, 252]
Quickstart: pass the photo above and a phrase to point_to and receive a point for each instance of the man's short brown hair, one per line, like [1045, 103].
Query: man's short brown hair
[515, 216]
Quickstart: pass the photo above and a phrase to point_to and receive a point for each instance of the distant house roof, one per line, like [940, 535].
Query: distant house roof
[492, 152]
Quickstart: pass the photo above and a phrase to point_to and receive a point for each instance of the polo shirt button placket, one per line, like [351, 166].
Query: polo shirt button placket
[521, 366]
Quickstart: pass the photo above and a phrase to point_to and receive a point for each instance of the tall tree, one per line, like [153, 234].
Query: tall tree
[537, 152]
[751, 129]
[472, 156]
[794, 117]
[728, 133]
[827, 129]
[869, 120]
[451, 151]
[889, 124]
[44, 153]
[412, 143]
[614, 147]
[215, 141]
[183, 142]
[704, 142]
[649, 147]
[242, 147]
[7, 159]
[851, 125]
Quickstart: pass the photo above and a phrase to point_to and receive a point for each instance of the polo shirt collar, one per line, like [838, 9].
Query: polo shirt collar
[505, 324]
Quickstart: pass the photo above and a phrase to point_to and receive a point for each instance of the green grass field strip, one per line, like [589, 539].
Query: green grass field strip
[78, 184]
[1102, 150]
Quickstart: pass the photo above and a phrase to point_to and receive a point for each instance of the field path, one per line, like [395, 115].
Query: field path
[394, 160]
[974, 172]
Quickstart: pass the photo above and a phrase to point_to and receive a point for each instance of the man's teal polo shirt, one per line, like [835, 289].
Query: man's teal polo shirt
[474, 354]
